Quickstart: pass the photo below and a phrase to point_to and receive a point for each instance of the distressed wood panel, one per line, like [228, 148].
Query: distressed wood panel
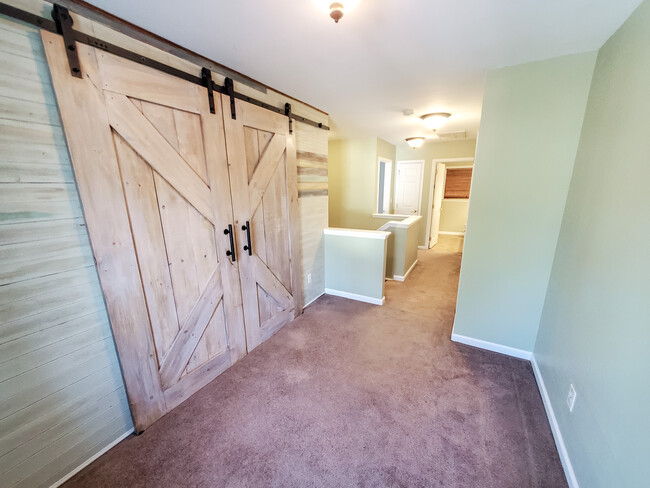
[59, 374]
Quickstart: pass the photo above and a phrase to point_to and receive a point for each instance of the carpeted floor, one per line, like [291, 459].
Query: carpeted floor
[352, 394]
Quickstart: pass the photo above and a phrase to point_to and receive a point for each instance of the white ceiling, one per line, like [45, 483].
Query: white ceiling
[384, 56]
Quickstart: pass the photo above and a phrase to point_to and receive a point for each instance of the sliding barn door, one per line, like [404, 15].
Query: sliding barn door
[262, 160]
[150, 163]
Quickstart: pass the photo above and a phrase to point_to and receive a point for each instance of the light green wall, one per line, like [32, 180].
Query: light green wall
[402, 248]
[453, 215]
[352, 183]
[595, 325]
[428, 152]
[531, 121]
[355, 265]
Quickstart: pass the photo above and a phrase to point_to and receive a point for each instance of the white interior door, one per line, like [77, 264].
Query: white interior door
[438, 192]
[408, 187]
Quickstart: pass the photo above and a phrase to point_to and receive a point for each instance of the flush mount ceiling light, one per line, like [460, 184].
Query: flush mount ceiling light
[415, 142]
[435, 120]
[336, 11]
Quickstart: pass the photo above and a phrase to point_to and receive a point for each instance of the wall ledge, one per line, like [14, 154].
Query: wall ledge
[390, 216]
[367, 234]
[492, 346]
[354, 296]
[555, 427]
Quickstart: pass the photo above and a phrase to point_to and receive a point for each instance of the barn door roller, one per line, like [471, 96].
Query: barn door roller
[62, 24]
[64, 27]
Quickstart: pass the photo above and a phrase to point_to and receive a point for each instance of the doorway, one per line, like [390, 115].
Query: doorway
[449, 201]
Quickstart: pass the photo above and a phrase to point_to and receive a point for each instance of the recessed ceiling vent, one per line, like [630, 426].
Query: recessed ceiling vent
[452, 136]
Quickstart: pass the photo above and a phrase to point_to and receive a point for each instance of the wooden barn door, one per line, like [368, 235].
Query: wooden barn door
[262, 160]
[150, 163]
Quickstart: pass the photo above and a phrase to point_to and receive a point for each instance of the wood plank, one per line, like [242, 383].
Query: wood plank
[37, 320]
[146, 227]
[42, 230]
[90, 140]
[312, 186]
[162, 118]
[51, 431]
[23, 261]
[200, 377]
[217, 172]
[24, 202]
[125, 77]
[26, 111]
[269, 161]
[11, 172]
[276, 226]
[127, 120]
[190, 142]
[53, 391]
[191, 331]
[26, 68]
[272, 285]
[20, 152]
[294, 224]
[32, 91]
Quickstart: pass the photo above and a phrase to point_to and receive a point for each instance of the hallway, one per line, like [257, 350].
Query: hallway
[352, 394]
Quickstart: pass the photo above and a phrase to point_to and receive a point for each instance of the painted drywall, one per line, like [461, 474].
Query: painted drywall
[595, 326]
[353, 181]
[355, 265]
[453, 214]
[531, 122]
[402, 245]
[428, 152]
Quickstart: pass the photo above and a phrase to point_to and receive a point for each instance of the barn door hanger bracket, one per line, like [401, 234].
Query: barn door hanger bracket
[206, 76]
[63, 22]
[287, 112]
[230, 91]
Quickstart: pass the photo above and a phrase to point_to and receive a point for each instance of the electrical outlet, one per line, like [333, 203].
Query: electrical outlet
[309, 278]
[571, 398]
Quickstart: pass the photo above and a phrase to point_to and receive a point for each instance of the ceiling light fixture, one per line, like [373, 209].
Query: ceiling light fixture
[435, 120]
[336, 11]
[415, 142]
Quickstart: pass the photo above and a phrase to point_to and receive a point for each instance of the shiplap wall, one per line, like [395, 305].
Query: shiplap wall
[62, 399]
[61, 394]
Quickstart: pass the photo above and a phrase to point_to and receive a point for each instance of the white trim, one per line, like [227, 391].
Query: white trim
[422, 163]
[460, 167]
[434, 163]
[424, 248]
[354, 296]
[402, 278]
[492, 346]
[367, 234]
[455, 199]
[91, 459]
[449, 233]
[390, 216]
[555, 428]
[312, 301]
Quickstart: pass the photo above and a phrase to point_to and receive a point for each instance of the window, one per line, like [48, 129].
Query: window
[384, 182]
[458, 182]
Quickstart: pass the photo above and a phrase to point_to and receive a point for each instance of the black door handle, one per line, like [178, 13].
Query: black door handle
[247, 228]
[230, 253]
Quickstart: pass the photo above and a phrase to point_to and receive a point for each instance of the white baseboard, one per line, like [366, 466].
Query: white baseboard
[312, 301]
[492, 346]
[555, 428]
[447, 233]
[423, 247]
[354, 296]
[402, 278]
[86, 463]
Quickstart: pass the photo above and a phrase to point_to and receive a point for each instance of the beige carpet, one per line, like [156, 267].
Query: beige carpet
[352, 394]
